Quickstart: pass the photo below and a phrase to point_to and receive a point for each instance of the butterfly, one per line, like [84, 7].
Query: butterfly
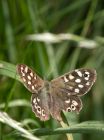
[60, 94]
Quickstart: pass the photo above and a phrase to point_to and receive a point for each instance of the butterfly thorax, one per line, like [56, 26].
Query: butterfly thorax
[45, 93]
[46, 87]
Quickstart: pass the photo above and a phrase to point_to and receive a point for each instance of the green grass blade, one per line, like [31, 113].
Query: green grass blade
[85, 127]
[4, 118]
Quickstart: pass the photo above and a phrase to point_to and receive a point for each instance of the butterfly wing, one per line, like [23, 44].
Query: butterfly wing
[68, 89]
[29, 78]
[77, 82]
[35, 85]
[40, 105]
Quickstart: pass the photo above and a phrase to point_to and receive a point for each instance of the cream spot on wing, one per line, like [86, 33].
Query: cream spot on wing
[80, 86]
[71, 77]
[23, 74]
[38, 99]
[29, 83]
[21, 68]
[79, 73]
[88, 83]
[78, 80]
[26, 69]
[76, 90]
[35, 77]
[86, 72]
[65, 79]
[29, 77]
[67, 101]
[33, 88]
[74, 102]
[34, 101]
[31, 74]
[24, 79]
[86, 78]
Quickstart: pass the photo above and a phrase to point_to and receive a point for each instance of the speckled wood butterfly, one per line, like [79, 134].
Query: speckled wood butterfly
[62, 93]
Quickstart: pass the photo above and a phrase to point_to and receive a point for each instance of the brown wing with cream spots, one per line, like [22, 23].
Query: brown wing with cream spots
[29, 78]
[77, 82]
[67, 89]
[41, 102]
[40, 106]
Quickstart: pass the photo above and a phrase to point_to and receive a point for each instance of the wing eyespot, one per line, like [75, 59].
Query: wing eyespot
[85, 75]
[73, 107]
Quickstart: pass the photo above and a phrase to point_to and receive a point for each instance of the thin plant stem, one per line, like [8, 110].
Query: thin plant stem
[64, 125]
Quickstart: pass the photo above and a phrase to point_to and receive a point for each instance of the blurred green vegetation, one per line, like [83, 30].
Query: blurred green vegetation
[84, 20]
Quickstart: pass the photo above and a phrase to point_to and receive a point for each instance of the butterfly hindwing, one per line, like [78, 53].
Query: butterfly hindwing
[73, 103]
[40, 107]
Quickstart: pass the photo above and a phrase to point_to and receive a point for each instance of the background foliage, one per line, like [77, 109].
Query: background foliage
[84, 20]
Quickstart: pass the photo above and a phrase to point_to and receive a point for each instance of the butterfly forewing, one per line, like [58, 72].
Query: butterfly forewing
[77, 82]
[29, 78]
